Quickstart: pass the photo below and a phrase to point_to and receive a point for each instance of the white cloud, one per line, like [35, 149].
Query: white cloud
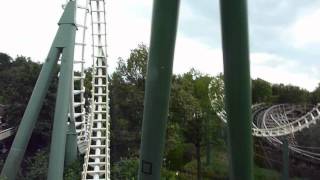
[28, 28]
[277, 69]
[127, 27]
[190, 53]
[305, 31]
[271, 67]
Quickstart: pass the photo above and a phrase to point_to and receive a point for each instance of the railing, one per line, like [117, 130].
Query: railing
[7, 133]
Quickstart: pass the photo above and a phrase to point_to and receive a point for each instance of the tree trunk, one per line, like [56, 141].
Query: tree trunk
[208, 151]
[198, 162]
[208, 145]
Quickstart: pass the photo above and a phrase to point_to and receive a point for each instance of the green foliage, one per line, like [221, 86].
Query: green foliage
[216, 93]
[36, 167]
[5, 62]
[219, 169]
[168, 175]
[261, 91]
[73, 172]
[315, 95]
[17, 81]
[178, 156]
[265, 174]
[190, 105]
[126, 96]
[125, 169]
[289, 94]
[134, 69]
[174, 135]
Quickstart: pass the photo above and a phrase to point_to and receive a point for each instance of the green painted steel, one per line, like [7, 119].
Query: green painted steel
[158, 83]
[237, 80]
[63, 42]
[285, 159]
[71, 145]
[58, 140]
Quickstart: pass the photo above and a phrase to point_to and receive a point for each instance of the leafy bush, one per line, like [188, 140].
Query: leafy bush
[73, 172]
[37, 166]
[179, 156]
[265, 174]
[125, 169]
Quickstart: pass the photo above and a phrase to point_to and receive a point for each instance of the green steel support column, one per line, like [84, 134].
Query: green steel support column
[158, 83]
[285, 160]
[71, 144]
[237, 86]
[30, 116]
[58, 140]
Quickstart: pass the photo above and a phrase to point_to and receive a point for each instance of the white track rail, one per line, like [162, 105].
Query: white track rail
[92, 125]
[77, 112]
[7, 133]
[283, 127]
[275, 121]
[283, 114]
[97, 158]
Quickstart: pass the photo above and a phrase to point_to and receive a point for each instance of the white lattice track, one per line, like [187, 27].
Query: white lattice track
[92, 124]
[273, 122]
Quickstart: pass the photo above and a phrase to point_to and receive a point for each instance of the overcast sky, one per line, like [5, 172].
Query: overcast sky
[284, 35]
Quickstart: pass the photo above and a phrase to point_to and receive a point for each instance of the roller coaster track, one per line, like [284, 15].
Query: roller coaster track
[97, 157]
[4, 134]
[78, 113]
[282, 125]
[277, 120]
[284, 115]
[273, 122]
[91, 121]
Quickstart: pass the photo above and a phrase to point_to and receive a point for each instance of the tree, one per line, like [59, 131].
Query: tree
[5, 61]
[289, 94]
[125, 169]
[17, 79]
[190, 106]
[17, 82]
[315, 95]
[126, 101]
[36, 166]
[134, 69]
[73, 171]
[261, 91]
[194, 133]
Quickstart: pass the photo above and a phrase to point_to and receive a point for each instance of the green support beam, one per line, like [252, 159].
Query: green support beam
[63, 42]
[158, 83]
[237, 86]
[71, 144]
[58, 140]
[285, 159]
